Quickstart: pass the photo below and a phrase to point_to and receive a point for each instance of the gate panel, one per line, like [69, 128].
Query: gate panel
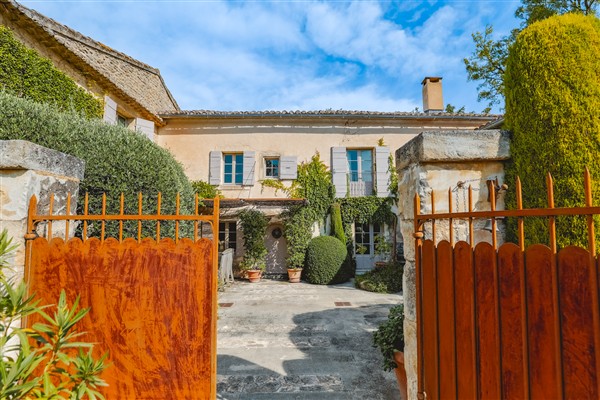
[445, 270]
[151, 309]
[430, 326]
[541, 316]
[513, 322]
[487, 321]
[466, 359]
[576, 269]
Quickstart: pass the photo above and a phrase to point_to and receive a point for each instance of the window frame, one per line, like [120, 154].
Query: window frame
[226, 234]
[276, 168]
[236, 175]
[359, 172]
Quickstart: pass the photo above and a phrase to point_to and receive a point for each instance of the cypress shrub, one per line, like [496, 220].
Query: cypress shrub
[552, 88]
[24, 73]
[116, 160]
[337, 227]
[324, 259]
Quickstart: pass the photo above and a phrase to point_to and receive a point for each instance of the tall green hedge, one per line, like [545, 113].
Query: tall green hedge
[117, 159]
[552, 85]
[24, 73]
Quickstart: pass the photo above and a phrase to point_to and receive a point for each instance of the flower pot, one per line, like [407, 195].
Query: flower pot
[380, 264]
[401, 374]
[294, 275]
[254, 275]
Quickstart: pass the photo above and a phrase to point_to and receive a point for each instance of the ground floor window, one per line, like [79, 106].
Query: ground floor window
[365, 235]
[227, 235]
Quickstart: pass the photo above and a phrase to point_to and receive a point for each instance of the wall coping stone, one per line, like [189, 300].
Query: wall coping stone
[454, 146]
[21, 154]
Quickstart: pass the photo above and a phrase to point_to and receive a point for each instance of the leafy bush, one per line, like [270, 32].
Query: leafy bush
[45, 361]
[386, 279]
[337, 227]
[324, 259]
[254, 226]
[390, 336]
[24, 73]
[117, 160]
[552, 88]
[205, 190]
[298, 223]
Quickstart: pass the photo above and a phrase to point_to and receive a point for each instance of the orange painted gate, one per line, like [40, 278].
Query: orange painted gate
[152, 300]
[507, 322]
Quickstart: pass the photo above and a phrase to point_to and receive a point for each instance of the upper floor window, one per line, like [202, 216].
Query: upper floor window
[360, 165]
[233, 168]
[272, 167]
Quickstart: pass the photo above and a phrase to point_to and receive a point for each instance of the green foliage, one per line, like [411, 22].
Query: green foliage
[390, 336]
[386, 279]
[552, 102]
[325, 257]
[116, 160]
[275, 184]
[337, 227]
[366, 209]
[313, 184]
[205, 190]
[254, 226]
[46, 361]
[26, 74]
[487, 64]
[452, 109]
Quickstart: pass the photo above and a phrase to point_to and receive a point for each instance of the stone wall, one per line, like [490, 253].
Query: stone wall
[27, 169]
[438, 162]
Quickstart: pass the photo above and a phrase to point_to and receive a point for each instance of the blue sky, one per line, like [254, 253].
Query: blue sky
[294, 55]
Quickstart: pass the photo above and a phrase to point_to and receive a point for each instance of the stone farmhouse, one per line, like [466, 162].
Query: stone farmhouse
[237, 150]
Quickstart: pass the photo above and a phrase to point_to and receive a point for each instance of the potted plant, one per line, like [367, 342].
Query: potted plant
[254, 226]
[383, 250]
[389, 338]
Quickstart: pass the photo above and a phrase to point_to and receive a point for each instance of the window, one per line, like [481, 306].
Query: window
[123, 121]
[234, 168]
[364, 237]
[360, 165]
[227, 235]
[272, 167]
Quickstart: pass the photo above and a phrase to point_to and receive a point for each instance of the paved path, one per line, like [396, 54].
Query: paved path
[291, 341]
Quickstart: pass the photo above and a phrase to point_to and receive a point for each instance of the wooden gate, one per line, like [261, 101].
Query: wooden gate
[507, 322]
[153, 301]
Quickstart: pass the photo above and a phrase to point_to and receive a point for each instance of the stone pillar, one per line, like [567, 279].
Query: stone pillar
[27, 169]
[439, 161]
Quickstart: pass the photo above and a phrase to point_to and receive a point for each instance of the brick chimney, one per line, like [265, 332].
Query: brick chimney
[433, 101]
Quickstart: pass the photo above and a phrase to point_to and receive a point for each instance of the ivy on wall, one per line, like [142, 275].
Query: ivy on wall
[24, 73]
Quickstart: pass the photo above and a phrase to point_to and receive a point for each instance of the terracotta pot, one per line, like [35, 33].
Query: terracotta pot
[401, 374]
[294, 275]
[254, 275]
[380, 264]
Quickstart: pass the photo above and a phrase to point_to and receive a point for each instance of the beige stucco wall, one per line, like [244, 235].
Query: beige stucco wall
[190, 140]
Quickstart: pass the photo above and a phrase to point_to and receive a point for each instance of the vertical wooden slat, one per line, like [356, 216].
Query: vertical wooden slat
[520, 225]
[555, 294]
[103, 223]
[158, 201]
[195, 213]
[121, 213]
[418, 236]
[471, 231]
[177, 200]
[590, 218]
[433, 232]
[50, 212]
[86, 205]
[215, 285]
[140, 208]
[576, 271]
[446, 329]
[543, 372]
[487, 322]
[466, 345]
[429, 318]
[497, 310]
[492, 192]
[67, 213]
[451, 233]
[514, 377]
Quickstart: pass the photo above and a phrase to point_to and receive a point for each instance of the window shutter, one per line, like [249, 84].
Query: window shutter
[110, 111]
[382, 175]
[249, 168]
[288, 168]
[214, 174]
[339, 171]
[145, 127]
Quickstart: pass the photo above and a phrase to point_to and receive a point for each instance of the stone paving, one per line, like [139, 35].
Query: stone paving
[278, 340]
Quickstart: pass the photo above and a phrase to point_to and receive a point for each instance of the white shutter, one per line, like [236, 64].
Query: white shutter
[145, 127]
[249, 168]
[382, 175]
[110, 111]
[339, 171]
[214, 168]
[288, 167]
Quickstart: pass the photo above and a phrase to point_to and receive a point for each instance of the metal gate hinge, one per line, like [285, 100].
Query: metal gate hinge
[422, 395]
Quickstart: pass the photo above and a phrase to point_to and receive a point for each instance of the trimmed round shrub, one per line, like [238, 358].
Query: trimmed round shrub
[324, 259]
[552, 88]
[116, 160]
